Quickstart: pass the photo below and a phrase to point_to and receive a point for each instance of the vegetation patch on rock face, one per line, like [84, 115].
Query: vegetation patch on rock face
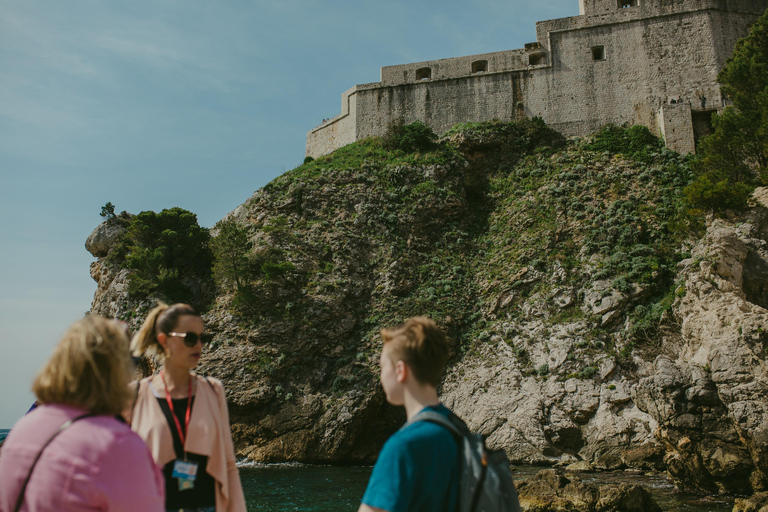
[607, 212]
[635, 142]
[408, 137]
[167, 253]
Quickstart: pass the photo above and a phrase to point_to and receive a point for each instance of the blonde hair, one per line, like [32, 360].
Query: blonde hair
[421, 345]
[162, 318]
[89, 368]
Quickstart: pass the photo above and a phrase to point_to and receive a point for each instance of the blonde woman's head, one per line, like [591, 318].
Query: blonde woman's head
[89, 368]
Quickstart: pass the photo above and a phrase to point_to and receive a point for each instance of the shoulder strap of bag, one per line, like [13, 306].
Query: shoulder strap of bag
[62, 428]
[440, 419]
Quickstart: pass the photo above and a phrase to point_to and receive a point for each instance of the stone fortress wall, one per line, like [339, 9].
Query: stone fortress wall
[649, 62]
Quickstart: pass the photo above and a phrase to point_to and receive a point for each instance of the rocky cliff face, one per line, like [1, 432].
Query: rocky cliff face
[708, 391]
[587, 324]
[694, 406]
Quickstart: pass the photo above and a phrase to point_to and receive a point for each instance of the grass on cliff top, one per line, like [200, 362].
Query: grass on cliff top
[376, 156]
[366, 153]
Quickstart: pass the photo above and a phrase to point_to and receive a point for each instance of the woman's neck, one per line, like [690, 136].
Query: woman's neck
[177, 381]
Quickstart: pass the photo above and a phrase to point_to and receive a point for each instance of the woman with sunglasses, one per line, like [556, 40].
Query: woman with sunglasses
[183, 418]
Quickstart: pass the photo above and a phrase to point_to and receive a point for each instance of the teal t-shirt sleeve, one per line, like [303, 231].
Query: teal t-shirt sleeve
[391, 484]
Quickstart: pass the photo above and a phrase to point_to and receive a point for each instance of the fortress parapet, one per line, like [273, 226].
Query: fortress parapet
[649, 62]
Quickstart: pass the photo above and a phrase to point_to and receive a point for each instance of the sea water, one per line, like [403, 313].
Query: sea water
[300, 487]
[292, 487]
[283, 487]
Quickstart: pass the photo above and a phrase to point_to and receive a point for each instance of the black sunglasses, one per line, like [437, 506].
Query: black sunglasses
[191, 338]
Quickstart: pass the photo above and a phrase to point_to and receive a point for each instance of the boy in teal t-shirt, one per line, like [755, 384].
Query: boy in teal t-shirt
[418, 468]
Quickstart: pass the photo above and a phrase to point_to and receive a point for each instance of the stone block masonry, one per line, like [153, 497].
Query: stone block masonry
[648, 62]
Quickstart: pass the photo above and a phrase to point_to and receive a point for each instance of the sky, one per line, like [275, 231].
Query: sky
[151, 104]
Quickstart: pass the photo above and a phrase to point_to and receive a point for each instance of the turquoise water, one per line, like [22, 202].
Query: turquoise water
[3, 433]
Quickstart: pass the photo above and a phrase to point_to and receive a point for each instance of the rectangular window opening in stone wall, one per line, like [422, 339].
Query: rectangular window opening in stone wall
[423, 74]
[628, 3]
[480, 66]
[535, 59]
[598, 53]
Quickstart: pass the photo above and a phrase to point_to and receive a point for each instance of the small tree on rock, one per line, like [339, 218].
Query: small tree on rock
[231, 248]
[108, 212]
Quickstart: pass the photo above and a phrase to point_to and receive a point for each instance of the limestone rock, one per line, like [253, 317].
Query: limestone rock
[602, 298]
[755, 503]
[101, 239]
[545, 420]
[552, 491]
[710, 399]
[580, 467]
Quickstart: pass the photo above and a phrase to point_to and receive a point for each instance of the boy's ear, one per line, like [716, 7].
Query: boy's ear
[401, 371]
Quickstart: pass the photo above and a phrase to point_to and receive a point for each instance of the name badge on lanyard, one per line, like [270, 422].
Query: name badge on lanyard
[185, 472]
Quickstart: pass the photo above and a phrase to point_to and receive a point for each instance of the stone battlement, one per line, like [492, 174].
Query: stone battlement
[649, 62]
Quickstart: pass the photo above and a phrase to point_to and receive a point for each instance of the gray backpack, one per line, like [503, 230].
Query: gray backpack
[486, 480]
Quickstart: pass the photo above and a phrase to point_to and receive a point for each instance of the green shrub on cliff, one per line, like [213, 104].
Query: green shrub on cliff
[167, 252]
[714, 191]
[525, 135]
[110, 217]
[253, 275]
[635, 141]
[408, 137]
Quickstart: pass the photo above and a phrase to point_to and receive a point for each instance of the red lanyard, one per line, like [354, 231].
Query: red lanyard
[173, 413]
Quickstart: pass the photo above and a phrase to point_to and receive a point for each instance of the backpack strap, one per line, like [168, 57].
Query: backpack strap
[453, 423]
[434, 417]
[65, 426]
